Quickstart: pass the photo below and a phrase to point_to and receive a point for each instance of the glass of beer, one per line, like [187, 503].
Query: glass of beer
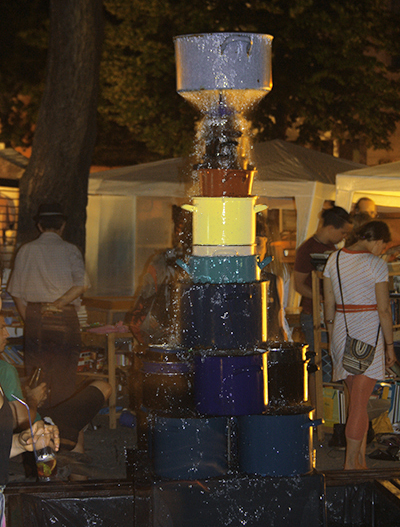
[46, 463]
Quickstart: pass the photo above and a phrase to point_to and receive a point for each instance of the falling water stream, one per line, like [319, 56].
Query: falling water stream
[217, 351]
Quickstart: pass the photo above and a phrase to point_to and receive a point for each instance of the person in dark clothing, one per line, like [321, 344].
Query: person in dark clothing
[335, 226]
[46, 283]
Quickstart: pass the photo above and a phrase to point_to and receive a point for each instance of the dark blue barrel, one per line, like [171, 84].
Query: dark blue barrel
[275, 445]
[223, 316]
[189, 448]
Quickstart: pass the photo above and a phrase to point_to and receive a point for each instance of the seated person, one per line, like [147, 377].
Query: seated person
[71, 415]
[14, 444]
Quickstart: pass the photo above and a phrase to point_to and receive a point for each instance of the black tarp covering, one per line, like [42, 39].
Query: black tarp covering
[71, 504]
[247, 501]
[360, 505]
[39, 511]
[252, 502]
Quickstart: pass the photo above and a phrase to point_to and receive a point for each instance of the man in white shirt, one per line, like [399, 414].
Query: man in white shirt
[46, 282]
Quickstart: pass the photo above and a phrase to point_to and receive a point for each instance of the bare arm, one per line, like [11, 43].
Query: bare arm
[329, 306]
[34, 398]
[300, 285]
[68, 297]
[385, 317]
[20, 414]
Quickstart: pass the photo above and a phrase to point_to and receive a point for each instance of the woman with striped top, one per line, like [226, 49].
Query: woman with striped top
[365, 287]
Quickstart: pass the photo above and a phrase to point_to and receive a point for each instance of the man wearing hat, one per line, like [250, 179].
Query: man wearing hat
[47, 280]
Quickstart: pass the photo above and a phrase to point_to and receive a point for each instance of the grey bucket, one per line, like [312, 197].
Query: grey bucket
[223, 61]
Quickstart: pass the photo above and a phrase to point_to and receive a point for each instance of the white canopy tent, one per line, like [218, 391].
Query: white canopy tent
[380, 183]
[128, 215]
[284, 170]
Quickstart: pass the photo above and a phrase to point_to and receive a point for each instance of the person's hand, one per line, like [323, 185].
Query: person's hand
[52, 308]
[43, 434]
[38, 394]
[390, 356]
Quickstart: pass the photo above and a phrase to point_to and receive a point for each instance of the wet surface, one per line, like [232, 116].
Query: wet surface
[104, 455]
[107, 452]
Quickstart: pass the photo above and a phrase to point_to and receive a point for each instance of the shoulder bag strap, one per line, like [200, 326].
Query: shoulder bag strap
[341, 292]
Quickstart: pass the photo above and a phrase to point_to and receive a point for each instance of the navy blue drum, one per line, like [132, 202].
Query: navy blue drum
[234, 385]
[189, 448]
[276, 445]
[223, 316]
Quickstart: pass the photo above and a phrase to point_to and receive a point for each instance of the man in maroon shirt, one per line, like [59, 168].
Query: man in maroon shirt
[335, 225]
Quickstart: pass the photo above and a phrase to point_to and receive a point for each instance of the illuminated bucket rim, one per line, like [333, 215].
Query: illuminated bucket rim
[224, 250]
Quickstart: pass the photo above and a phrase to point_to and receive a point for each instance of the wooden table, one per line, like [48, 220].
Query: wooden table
[102, 309]
[106, 307]
[110, 376]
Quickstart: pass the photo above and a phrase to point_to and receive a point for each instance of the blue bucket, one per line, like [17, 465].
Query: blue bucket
[234, 385]
[189, 448]
[223, 316]
[224, 269]
[275, 445]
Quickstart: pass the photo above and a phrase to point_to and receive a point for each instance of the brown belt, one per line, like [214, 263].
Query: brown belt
[355, 308]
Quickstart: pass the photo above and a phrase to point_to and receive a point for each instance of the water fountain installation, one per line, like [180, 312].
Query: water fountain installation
[228, 433]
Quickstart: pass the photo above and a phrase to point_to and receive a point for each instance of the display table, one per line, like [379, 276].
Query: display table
[110, 376]
[103, 308]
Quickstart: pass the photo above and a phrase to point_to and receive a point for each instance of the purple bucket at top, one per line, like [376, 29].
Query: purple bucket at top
[230, 385]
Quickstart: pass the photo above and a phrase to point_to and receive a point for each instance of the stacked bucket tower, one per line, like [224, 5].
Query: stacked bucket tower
[225, 401]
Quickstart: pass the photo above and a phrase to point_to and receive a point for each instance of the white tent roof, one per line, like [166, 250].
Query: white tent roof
[283, 170]
[276, 161]
[381, 183]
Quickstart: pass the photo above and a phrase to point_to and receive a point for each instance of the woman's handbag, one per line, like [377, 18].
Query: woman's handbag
[358, 355]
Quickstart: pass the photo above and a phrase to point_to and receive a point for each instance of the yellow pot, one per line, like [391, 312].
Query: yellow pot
[224, 221]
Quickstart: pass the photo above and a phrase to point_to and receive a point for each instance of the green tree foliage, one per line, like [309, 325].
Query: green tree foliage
[23, 49]
[334, 68]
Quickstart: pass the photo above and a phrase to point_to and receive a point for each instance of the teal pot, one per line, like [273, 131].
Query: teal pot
[224, 269]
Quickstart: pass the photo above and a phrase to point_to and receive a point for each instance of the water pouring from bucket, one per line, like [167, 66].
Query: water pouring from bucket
[224, 75]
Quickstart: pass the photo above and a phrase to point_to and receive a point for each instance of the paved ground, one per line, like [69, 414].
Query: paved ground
[330, 458]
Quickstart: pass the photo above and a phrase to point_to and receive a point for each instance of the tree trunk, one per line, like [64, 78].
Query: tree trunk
[64, 139]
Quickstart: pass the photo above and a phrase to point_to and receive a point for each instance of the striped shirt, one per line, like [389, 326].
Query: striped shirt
[359, 272]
